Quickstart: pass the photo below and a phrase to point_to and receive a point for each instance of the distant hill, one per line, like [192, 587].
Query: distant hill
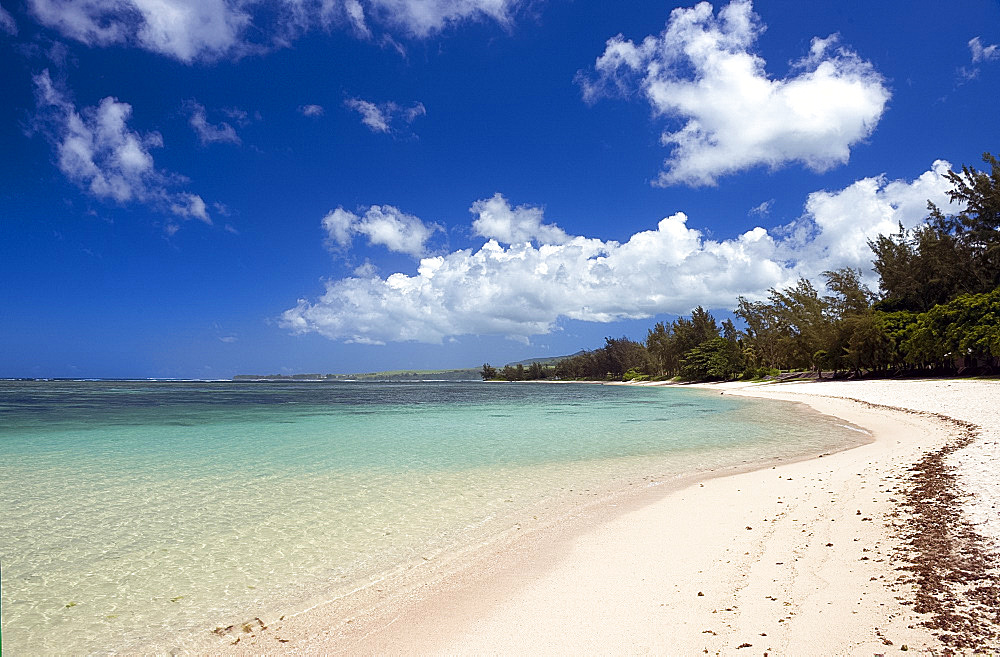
[551, 360]
[392, 375]
[471, 374]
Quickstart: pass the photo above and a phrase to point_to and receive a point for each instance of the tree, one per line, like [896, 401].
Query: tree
[850, 296]
[623, 355]
[802, 322]
[869, 345]
[896, 326]
[966, 328]
[489, 372]
[949, 254]
[763, 332]
[977, 227]
[919, 268]
[662, 349]
[854, 338]
[713, 359]
[513, 373]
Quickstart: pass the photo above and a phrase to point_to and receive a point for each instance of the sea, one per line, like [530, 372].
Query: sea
[143, 515]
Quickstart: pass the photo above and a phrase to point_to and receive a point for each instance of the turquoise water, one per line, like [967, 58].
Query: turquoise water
[137, 514]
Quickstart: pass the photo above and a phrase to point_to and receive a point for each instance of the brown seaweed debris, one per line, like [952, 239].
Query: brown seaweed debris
[955, 572]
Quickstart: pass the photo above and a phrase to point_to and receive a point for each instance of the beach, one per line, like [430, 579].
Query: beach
[819, 556]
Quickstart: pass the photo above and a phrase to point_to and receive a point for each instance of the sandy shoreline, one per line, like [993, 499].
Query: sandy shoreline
[800, 558]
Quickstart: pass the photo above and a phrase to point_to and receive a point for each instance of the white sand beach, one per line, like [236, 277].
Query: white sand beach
[814, 557]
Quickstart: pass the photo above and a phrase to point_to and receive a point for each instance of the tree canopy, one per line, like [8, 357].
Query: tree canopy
[937, 308]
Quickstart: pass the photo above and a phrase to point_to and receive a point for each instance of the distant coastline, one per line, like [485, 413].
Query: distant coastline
[470, 374]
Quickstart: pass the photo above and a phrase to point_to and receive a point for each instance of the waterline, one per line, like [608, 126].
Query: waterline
[148, 513]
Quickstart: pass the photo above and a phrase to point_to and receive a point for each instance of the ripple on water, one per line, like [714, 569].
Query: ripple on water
[145, 512]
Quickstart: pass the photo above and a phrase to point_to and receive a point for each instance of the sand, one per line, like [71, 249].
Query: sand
[802, 558]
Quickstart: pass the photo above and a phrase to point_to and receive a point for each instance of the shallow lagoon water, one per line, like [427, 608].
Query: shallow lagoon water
[137, 514]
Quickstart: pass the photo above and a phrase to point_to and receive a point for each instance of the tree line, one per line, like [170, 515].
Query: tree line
[936, 310]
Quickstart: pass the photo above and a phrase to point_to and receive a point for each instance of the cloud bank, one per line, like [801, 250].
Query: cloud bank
[702, 72]
[96, 150]
[193, 30]
[529, 274]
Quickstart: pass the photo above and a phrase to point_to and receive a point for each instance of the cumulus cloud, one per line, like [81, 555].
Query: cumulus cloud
[96, 149]
[193, 30]
[837, 225]
[383, 225]
[311, 110]
[981, 53]
[7, 23]
[524, 287]
[702, 72]
[385, 117]
[497, 220]
[207, 132]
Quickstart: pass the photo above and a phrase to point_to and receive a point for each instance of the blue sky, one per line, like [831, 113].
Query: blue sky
[199, 188]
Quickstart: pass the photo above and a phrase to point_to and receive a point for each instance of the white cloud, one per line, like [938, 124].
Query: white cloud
[385, 117]
[7, 23]
[702, 71]
[981, 53]
[761, 210]
[193, 30]
[524, 289]
[498, 221]
[210, 133]
[183, 29]
[356, 15]
[383, 225]
[311, 110]
[371, 115]
[96, 149]
[190, 206]
[838, 225]
[421, 18]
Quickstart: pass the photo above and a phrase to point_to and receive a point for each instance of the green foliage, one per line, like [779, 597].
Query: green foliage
[938, 307]
[948, 255]
[611, 362]
[918, 268]
[758, 373]
[634, 375]
[713, 360]
[535, 372]
[977, 227]
[488, 372]
[966, 327]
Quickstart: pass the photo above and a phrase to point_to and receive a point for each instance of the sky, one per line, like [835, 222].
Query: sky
[203, 188]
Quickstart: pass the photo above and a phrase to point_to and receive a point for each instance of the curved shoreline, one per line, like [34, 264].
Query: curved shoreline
[797, 558]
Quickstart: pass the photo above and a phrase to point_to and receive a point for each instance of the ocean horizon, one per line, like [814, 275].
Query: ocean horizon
[144, 514]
